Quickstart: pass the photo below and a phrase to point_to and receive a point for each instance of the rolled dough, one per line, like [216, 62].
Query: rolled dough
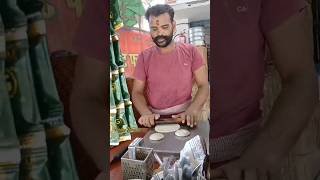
[166, 128]
[156, 137]
[182, 133]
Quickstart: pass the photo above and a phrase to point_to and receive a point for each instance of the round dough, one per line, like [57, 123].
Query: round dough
[182, 133]
[156, 137]
[166, 128]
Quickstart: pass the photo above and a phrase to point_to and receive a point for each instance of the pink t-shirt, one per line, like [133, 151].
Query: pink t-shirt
[238, 32]
[91, 37]
[168, 76]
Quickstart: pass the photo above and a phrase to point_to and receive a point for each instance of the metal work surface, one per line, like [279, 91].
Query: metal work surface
[172, 144]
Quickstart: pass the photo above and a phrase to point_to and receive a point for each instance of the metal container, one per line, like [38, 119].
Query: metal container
[198, 43]
[139, 168]
[197, 36]
[196, 29]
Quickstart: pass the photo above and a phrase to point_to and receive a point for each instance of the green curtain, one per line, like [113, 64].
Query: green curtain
[129, 10]
[37, 111]
[124, 116]
[60, 157]
[114, 135]
[21, 90]
[121, 120]
[9, 142]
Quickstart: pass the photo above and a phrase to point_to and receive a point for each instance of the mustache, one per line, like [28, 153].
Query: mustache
[166, 40]
[161, 37]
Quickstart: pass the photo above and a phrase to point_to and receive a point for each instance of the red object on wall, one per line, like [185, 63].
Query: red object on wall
[182, 38]
[132, 43]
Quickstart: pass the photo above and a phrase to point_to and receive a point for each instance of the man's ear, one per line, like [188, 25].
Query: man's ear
[174, 26]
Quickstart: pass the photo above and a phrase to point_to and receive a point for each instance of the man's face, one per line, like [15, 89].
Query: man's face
[161, 29]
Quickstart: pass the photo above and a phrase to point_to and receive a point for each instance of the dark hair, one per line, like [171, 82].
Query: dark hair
[158, 10]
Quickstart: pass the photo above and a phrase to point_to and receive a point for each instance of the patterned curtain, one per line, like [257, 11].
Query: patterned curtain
[37, 111]
[122, 120]
[9, 142]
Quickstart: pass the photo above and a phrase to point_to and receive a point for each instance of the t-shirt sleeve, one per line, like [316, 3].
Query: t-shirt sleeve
[276, 12]
[197, 60]
[139, 71]
[91, 36]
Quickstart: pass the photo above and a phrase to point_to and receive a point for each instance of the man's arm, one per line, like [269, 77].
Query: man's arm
[138, 97]
[292, 51]
[190, 115]
[88, 108]
[147, 117]
[201, 78]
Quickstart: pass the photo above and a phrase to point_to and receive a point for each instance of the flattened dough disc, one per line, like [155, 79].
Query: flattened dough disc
[156, 137]
[166, 128]
[182, 133]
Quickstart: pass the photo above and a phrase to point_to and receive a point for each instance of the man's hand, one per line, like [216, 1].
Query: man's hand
[190, 116]
[148, 119]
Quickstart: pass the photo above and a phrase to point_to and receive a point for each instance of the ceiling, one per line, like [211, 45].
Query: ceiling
[192, 11]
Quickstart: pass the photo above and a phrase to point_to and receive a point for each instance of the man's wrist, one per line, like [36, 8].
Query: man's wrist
[193, 108]
[146, 113]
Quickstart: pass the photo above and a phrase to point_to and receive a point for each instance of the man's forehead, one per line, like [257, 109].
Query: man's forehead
[159, 20]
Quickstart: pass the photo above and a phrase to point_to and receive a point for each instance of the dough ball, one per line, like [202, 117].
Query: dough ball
[156, 137]
[182, 133]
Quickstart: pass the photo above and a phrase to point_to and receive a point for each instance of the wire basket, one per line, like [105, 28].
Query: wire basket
[139, 168]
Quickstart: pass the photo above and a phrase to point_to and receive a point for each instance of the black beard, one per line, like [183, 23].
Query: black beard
[167, 40]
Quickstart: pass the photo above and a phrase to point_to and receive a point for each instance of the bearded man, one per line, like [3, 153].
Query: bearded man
[165, 73]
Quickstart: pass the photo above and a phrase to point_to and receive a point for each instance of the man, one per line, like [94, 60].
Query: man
[166, 72]
[239, 147]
